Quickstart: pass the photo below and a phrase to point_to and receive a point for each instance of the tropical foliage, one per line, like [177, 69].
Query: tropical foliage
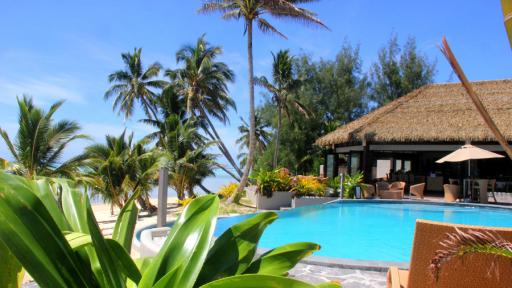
[351, 183]
[308, 186]
[281, 90]
[40, 142]
[263, 138]
[120, 168]
[184, 152]
[202, 82]
[135, 84]
[269, 181]
[227, 190]
[66, 248]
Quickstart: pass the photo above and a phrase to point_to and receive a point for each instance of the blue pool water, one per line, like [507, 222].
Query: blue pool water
[368, 230]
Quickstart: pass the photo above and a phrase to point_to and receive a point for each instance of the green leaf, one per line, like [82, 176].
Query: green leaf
[74, 209]
[78, 240]
[234, 250]
[280, 260]
[109, 264]
[43, 190]
[31, 234]
[11, 272]
[142, 264]
[123, 259]
[331, 284]
[258, 281]
[125, 224]
[186, 247]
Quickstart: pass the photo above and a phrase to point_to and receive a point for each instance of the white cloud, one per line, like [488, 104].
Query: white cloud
[44, 90]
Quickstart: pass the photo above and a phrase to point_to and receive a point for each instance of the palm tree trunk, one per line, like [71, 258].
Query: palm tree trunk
[220, 143]
[278, 132]
[475, 99]
[252, 124]
[228, 172]
[206, 190]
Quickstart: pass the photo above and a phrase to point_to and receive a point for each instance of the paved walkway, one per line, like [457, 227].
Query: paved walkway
[347, 277]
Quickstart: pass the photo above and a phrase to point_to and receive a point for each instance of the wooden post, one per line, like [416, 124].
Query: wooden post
[163, 183]
[366, 161]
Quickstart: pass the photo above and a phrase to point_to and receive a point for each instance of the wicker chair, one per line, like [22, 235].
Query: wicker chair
[451, 192]
[459, 271]
[368, 191]
[417, 190]
[394, 190]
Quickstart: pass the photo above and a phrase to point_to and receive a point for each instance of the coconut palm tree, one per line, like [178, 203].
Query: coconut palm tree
[135, 84]
[262, 138]
[184, 151]
[202, 81]
[40, 142]
[281, 90]
[251, 11]
[119, 168]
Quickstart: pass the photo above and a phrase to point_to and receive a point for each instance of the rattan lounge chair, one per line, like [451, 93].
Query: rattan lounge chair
[417, 190]
[475, 270]
[394, 190]
[451, 192]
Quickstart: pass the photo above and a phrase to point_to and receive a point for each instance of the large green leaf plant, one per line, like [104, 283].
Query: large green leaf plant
[64, 247]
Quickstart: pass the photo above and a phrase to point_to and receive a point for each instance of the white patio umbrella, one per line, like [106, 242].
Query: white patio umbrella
[468, 152]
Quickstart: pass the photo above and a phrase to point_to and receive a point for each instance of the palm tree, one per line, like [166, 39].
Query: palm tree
[202, 81]
[262, 138]
[133, 84]
[119, 168]
[251, 11]
[39, 143]
[184, 151]
[281, 88]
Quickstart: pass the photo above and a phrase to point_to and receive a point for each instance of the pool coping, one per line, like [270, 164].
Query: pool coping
[346, 263]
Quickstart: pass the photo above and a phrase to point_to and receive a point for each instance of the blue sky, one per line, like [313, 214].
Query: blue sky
[55, 50]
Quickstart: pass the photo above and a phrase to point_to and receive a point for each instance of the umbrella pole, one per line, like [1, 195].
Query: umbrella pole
[469, 176]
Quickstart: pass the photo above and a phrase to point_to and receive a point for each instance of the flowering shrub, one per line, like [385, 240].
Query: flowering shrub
[272, 181]
[308, 186]
[227, 190]
[185, 201]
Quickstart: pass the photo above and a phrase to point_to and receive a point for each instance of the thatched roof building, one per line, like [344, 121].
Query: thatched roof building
[433, 113]
[408, 135]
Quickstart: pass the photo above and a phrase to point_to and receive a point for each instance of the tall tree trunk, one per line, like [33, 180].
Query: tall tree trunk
[278, 132]
[228, 172]
[252, 124]
[220, 143]
[206, 190]
[475, 99]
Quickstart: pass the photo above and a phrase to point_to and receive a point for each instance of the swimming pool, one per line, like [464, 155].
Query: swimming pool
[378, 231]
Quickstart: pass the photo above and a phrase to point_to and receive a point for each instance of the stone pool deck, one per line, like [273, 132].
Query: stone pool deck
[318, 274]
[349, 278]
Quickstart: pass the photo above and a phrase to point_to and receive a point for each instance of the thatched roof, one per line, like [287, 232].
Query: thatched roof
[433, 113]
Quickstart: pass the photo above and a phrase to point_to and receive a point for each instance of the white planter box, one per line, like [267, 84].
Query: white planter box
[308, 201]
[151, 240]
[278, 200]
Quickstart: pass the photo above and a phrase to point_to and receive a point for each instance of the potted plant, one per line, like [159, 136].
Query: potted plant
[350, 184]
[275, 187]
